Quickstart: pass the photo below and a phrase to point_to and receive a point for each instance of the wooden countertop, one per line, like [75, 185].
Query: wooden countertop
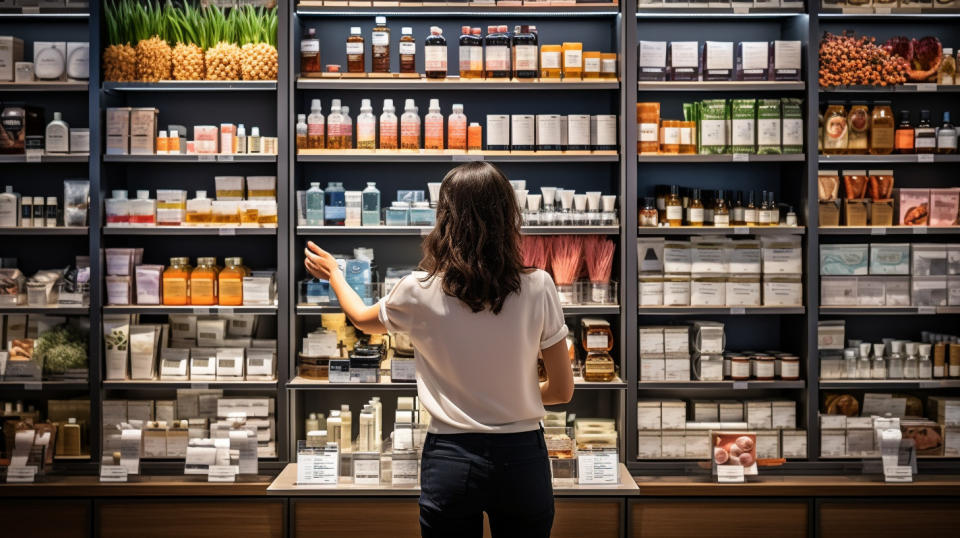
[798, 486]
[144, 486]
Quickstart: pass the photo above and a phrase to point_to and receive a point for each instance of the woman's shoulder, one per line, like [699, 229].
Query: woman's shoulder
[536, 280]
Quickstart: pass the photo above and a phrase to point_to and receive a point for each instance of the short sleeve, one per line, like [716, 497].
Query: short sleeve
[396, 309]
[554, 328]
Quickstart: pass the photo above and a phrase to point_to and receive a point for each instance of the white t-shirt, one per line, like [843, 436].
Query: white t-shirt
[477, 372]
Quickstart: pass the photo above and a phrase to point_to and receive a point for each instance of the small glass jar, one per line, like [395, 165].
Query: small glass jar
[740, 367]
[858, 125]
[763, 367]
[598, 367]
[648, 216]
[882, 127]
[789, 367]
[835, 130]
[727, 366]
[596, 335]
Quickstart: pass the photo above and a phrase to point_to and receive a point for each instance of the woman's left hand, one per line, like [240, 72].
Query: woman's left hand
[319, 262]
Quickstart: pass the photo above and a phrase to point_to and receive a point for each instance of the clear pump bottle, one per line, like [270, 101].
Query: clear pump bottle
[302, 132]
[895, 362]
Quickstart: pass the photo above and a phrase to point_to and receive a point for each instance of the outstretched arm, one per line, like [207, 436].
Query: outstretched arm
[322, 265]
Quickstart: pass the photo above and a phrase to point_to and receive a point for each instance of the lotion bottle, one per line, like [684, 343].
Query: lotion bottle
[9, 208]
[57, 135]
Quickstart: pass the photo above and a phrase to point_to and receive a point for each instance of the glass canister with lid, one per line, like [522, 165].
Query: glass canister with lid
[835, 129]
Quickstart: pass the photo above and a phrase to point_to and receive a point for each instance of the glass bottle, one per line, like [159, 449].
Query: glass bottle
[925, 135]
[648, 217]
[303, 137]
[407, 51]
[850, 363]
[435, 54]
[203, 282]
[117, 208]
[925, 367]
[895, 360]
[525, 53]
[231, 281]
[721, 214]
[763, 211]
[355, 53]
[835, 130]
[335, 204]
[670, 137]
[864, 366]
[737, 212]
[380, 46]
[366, 127]
[947, 73]
[497, 53]
[433, 126]
[315, 126]
[310, 53]
[315, 203]
[346, 128]
[773, 210]
[750, 210]
[388, 126]
[143, 209]
[674, 207]
[911, 364]
[648, 118]
[947, 136]
[474, 137]
[858, 125]
[695, 209]
[409, 126]
[346, 425]
[882, 127]
[471, 53]
[199, 210]
[371, 205]
[176, 282]
[334, 127]
[903, 137]
[598, 367]
[457, 129]
[878, 368]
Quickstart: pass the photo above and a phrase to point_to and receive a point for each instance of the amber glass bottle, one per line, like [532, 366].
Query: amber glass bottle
[408, 51]
[355, 53]
[380, 46]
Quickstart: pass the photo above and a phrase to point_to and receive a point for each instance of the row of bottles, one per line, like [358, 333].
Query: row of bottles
[336, 131]
[206, 284]
[861, 130]
[670, 209]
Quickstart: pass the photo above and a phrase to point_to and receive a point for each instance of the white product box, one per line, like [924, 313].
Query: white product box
[744, 257]
[676, 339]
[784, 414]
[696, 445]
[650, 254]
[648, 415]
[708, 290]
[838, 290]
[731, 411]
[782, 255]
[708, 257]
[928, 260]
[759, 415]
[677, 257]
[230, 363]
[677, 368]
[706, 411]
[768, 444]
[203, 364]
[896, 291]
[870, 291]
[890, 258]
[648, 445]
[793, 444]
[833, 443]
[652, 368]
[651, 290]
[833, 422]
[11, 52]
[50, 60]
[651, 340]
[672, 445]
[782, 290]
[742, 290]
[673, 414]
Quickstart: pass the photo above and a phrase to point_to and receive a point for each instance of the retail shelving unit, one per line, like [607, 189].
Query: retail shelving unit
[598, 27]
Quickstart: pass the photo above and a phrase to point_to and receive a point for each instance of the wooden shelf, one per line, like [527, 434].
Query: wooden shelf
[208, 158]
[192, 86]
[187, 230]
[723, 230]
[45, 86]
[723, 385]
[720, 310]
[58, 230]
[741, 158]
[888, 230]
[199, 310]
[418, 156]
[164, 384]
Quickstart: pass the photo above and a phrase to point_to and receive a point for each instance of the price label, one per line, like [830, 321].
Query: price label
[226, 310]
[425, 231]
[404, 472]
[881, 10]
[925, 158]
[926, 310]
[927, 87]
[898, 473]
[228, 231]
[30, 10]
[730, 474]
[113, 473]
[26, 474]
[740, 385]
[741, 157]
[222, 473]
[741, 230]
[741, 10]
[598, 468]
[225, 158]
[919, 230]
[878, 231]
[321, 468]
[366, 472]
[33, 386]
[464, 157]
[206, 157]
[201, 386]
[738, 310]
[34, 155]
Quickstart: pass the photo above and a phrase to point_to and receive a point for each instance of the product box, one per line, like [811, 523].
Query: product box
[672, 444]
[870, 291]
[710, 368]
[830, 335]
[648, 444]
[913, 206]
[784, 414]
[143, 122]
[651, 290]
[855, 212]
[677, 257]
[787, 57]
[896, 291]
[782, 255]
[652, 368]
[50, 60]
[928, 291]
[708, 257]
[889, 258]
[651, 340]
[743, 290]
[677, 367]
[759, 415]
[844, 259]
[706, 411]
[881, 213]
[743, 257]
[79, 140]
[696, 445]
[11, 52]
[953, 291]
[650, 255]
[944, 206]
[829, 213]
[782, 290]
[673, 414]
[793, 444]
[953, 259]
[652, 60]
[676, 290]
[708, 290]
[768, 444]
[498, 132]
[648, 415]
[928, 259]
[78, 60]
[676, 339]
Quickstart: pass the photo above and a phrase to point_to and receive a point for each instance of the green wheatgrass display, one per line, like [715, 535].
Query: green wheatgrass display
[744, 113]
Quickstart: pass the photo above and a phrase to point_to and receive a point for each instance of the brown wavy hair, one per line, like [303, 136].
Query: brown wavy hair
[475, 247]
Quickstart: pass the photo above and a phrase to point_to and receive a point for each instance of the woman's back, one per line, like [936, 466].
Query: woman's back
[476, 371]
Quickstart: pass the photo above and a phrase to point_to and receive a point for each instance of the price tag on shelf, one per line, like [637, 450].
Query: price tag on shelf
[206, 157]
[730, 474]
[926, 310]
[925, 157]
[113, 473]
[226, 310]
[228, 231]
[878, 231]
[222, 473]
[897, 473]
[202, 311]
[741, 10]
[33, 386]
[25, 474]
[366, 471]
[598, 468]
[321, 467]
[738, 310]
[741, 157]
[919, 230]
[465, 157]
[30, 10]
[425, 231]
[201, 386]
[740, 385]
[226, 157]
[741, 230]
[881, 10]
[33, 155]
[927, 87]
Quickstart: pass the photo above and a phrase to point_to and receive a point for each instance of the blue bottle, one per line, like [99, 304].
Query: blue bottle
[335, 210]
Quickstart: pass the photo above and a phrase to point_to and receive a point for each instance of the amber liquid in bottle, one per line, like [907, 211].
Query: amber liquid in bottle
[674, 207]
[903, 138]
[380, 46]
[355, 53]
[408, 51]
[695, 210]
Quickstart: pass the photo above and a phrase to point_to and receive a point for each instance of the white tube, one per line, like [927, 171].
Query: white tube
[566, 199]
[518, 184]
[533, 202]
[434, 188]
[580, 202]
[549, 195]
[593, 200]
[609, 203]
[521, 198]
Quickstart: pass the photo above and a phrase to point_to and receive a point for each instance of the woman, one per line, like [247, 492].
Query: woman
[477, 318]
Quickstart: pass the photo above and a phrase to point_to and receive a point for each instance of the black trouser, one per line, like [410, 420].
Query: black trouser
[506, 475]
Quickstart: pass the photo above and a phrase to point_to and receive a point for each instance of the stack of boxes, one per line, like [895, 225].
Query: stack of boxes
[843, 436]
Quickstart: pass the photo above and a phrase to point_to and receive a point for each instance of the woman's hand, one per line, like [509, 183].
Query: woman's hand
[319, 262]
